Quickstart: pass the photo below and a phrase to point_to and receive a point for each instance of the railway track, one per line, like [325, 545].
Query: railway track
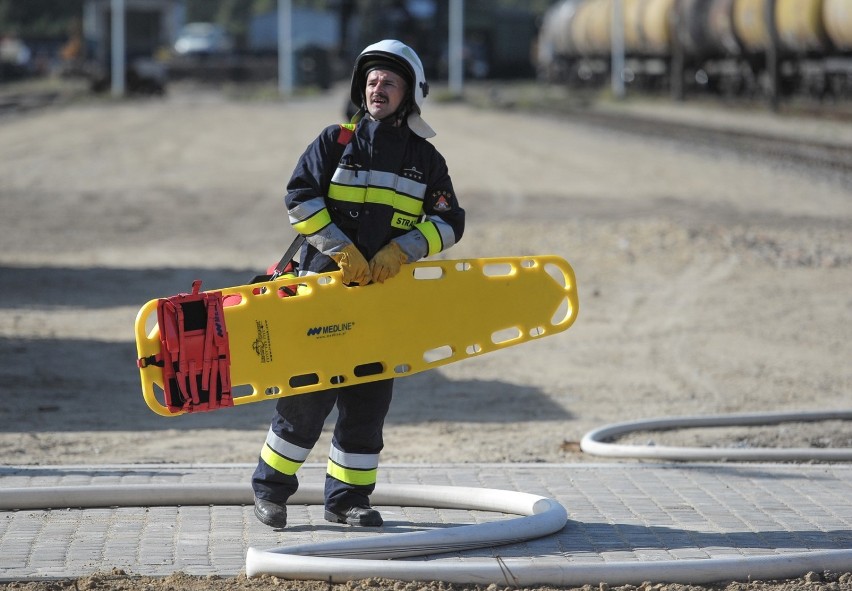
[804, 152]
[27, 101]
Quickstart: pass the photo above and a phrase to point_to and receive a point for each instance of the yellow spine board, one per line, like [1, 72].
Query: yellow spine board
[431, 314]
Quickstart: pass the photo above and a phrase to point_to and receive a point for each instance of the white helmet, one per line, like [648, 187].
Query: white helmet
[399, 57]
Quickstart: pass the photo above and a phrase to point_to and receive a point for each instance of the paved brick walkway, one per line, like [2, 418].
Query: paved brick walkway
[617, 512]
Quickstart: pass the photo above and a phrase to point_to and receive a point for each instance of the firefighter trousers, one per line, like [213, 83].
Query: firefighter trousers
[354, 455]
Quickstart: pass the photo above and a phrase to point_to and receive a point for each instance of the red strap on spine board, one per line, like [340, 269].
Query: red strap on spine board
[195, 355]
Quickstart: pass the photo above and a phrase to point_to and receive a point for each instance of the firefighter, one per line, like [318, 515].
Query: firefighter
[368, 198]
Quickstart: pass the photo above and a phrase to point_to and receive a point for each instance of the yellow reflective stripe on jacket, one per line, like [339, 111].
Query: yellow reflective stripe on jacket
[351, 476]
[380, 196]
[407, 204]
[346, 193]
[313, 224]
[383, 188]
[433, 237]
[389, 197]
[356, 177]
[279, 463]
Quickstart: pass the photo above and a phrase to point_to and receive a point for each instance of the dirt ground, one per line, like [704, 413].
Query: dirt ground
[709, 282]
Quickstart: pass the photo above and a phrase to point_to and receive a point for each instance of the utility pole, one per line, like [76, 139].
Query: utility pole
[117, 67]
[285, 47]
[617, 35]
[455, 51]
[772, 58]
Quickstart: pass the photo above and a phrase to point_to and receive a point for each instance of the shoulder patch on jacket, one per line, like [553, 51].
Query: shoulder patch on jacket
[443, 201]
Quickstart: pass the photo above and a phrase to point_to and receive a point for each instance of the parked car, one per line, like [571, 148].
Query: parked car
[203, 39]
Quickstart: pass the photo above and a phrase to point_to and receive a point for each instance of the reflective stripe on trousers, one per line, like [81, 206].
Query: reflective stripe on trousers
[356, 443]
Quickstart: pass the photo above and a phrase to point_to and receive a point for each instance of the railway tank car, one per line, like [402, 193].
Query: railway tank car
[837, 18]
[729, 46]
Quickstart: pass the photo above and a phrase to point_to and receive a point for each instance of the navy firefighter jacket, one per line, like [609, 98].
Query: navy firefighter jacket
[386, 184]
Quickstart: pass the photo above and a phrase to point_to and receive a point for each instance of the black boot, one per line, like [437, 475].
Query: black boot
[269, 513]
[363, 516]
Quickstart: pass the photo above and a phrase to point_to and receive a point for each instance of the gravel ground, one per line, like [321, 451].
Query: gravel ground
[710, 282]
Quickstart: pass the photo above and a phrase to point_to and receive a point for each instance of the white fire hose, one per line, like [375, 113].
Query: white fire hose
[595, 442]
[359, 558]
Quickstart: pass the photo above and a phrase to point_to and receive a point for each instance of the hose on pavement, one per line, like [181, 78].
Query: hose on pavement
[352, 559]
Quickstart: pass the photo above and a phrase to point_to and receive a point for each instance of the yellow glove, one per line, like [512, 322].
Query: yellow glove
[353, 265]
[387, 262]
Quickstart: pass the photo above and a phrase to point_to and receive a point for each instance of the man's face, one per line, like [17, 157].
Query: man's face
[385, 91]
